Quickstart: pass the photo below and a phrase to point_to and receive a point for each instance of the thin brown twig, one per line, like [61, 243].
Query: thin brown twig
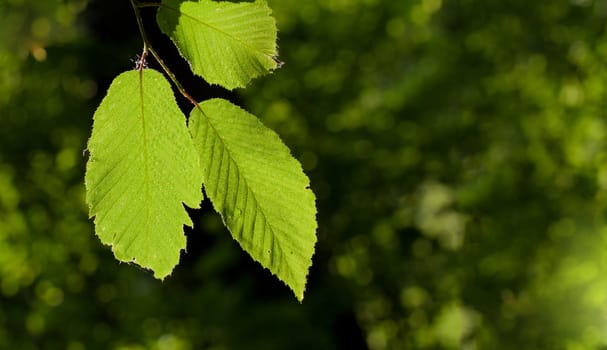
[172, 77]
[146, 4]
[147, 47]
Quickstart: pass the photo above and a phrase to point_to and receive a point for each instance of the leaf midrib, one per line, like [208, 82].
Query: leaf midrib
[145, 153]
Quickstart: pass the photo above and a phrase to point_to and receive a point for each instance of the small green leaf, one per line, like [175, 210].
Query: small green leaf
[226, 43]
[258, 188]
[142, 167]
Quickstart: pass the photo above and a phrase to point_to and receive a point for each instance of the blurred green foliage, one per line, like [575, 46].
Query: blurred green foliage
[457, 149]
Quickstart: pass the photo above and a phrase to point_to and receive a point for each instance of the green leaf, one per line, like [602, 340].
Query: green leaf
[226, 43]
[258, 188]
[142, 166]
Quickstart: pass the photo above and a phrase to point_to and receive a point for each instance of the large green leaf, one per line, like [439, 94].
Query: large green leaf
[142, 167]
[226, 43]
[258, 188]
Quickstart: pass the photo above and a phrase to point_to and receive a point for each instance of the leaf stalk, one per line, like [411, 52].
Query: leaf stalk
[147, 47]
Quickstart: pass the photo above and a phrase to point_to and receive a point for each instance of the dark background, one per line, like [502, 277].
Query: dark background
[456, 148]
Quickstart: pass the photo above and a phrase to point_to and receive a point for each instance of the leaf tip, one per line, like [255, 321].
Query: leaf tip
[163, 275]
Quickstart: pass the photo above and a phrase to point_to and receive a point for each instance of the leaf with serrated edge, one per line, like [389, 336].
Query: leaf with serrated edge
[142, 167]
[226, 43]
[258, 188]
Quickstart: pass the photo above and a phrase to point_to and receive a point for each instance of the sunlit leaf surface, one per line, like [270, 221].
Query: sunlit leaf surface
[258, 188]
[226, 43]
[142, 168]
